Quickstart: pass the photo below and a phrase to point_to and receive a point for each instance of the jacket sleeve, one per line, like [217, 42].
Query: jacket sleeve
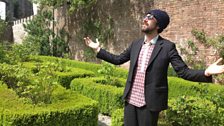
[115, 59]
[182, 69]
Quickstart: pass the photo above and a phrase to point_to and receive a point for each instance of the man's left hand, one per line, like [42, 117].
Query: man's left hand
[215, 68]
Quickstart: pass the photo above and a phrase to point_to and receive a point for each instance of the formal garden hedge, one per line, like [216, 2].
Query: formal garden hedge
[119, 72]
[68, 108]
[38, 99]
[190, 103]
[65, 74]
[108, 96]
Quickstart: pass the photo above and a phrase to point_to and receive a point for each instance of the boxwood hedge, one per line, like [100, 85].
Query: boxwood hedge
[69, 109]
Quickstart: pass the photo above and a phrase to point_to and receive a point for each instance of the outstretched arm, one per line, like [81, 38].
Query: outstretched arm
[215, 68]
[107, 56]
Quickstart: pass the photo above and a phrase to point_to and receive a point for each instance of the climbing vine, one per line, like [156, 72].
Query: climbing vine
[92, 25]
[216, 43]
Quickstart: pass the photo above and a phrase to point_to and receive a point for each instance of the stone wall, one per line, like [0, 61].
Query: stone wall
[127, 17]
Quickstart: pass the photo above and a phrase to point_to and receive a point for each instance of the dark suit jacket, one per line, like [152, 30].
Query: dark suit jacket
[156, 85]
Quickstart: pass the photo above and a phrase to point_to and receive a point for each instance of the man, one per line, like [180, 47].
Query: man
[146, 90]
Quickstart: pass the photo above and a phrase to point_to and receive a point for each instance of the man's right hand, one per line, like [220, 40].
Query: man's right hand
[93, 45]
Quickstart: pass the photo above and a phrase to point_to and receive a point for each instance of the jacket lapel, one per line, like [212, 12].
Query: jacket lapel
[137, 50]
[156, 49]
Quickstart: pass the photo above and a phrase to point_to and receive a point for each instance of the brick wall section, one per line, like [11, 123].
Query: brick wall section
[207, 15]
[185, 15]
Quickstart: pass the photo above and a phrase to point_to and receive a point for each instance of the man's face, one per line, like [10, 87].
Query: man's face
[149, 24]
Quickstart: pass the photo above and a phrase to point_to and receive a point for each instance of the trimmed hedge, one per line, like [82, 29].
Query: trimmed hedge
[198, 110]
[179, 87]
[69, 109]
[64, 77]
[119, 72]
[194, 111]
[117, 118]
[109, 97]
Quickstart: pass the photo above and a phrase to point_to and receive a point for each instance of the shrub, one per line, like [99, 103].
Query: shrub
[119, 72]
[117, 118]
[68, 108]
[64, 74]
[194, 111]
[109, 97]
[179, 87]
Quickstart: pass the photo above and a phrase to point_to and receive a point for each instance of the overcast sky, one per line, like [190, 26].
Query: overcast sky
[2, 10]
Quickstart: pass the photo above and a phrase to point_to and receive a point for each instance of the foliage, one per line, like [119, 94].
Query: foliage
[96, 29]
[195, 104]
[216, 43]
[198, 62]
[109, 97]
[190, 59]
[43, 38]
[37, 87]
[117, 118]
[39, 32]
[194, 111]
[3, 26]
[74, 4]
[119, 72]
[15, 53]
[72, 109]
[108, 71]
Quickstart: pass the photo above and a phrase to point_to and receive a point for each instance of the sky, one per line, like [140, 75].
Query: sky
[2, 10]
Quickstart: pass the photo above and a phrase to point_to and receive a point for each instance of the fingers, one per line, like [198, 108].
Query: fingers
[97, 41]
[87, 40]
[218, 61]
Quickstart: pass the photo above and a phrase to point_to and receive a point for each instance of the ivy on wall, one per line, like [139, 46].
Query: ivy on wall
[216, 43]
[92, 25]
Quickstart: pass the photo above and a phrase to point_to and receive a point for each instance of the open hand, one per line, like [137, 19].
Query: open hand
[91, 44]
[215, 68]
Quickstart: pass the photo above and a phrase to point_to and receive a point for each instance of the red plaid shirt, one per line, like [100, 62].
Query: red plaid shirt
[137, 94]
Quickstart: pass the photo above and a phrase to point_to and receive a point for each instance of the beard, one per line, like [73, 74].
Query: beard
[147, 29]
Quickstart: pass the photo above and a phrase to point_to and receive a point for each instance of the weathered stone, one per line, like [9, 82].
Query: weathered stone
[127, 17]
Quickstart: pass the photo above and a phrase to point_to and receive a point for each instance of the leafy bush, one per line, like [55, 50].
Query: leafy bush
[68, 108]
[37, 87]
[118, 72]
[14, 53]
[109, 97]
[117, 118]
[64, 74]
[179, 87]
[43, 38]
[194, 111]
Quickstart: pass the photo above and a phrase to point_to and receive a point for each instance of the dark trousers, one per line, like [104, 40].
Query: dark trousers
[134, 116]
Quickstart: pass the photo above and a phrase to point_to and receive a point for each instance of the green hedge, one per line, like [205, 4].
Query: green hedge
[119, 72]
[64, 77]
[117, 118]
[179, 87]
[201, 110]
[109, 97]
[194, 111]
[69, 109]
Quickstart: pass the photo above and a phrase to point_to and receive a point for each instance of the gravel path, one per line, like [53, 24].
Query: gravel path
[104, 120]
